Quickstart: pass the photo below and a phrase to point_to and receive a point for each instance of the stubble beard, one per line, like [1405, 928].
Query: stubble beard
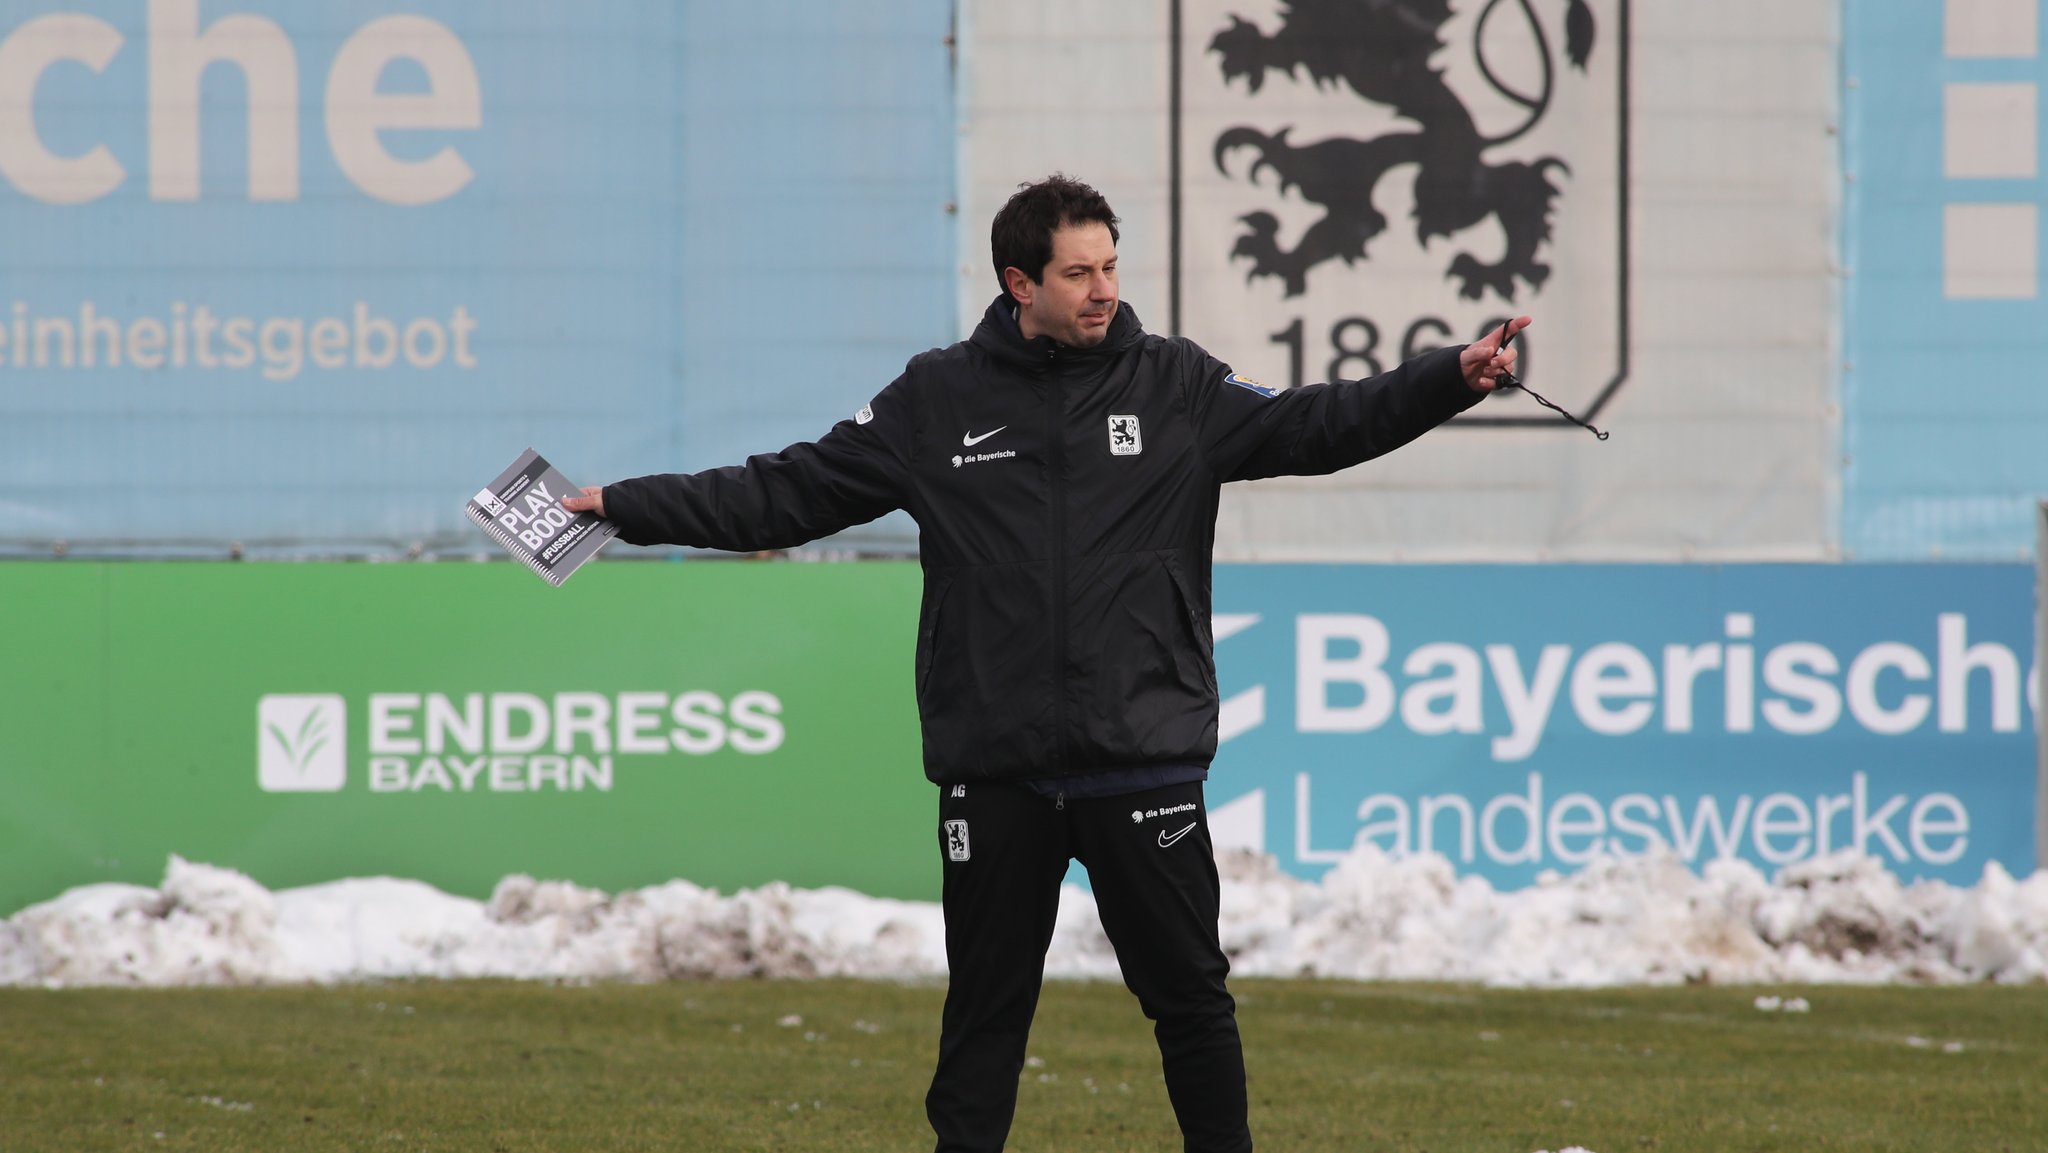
[1084, 337]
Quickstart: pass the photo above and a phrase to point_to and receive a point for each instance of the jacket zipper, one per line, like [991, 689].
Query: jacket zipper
[1056, 450]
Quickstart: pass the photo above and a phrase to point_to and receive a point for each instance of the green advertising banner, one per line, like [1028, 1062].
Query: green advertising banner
[730, 723]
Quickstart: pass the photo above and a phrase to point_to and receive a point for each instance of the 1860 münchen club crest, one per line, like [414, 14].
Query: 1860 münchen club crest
[1358, 181]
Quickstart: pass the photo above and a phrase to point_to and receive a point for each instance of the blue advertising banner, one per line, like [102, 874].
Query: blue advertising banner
[302, 275]
[1942, 240]
[1524, 718]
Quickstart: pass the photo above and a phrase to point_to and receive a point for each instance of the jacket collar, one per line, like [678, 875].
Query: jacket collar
[999, 335]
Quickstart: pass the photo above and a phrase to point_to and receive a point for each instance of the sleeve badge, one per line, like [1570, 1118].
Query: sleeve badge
[1250, 385]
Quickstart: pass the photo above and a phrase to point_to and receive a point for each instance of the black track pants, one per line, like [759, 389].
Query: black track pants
[1153, 870]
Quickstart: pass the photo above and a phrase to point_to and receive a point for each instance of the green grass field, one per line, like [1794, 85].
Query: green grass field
[493, 1066]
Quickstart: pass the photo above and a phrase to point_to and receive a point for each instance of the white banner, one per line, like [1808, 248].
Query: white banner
[1657, 184]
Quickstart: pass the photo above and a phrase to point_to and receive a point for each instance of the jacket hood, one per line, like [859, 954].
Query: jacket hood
[999, 335]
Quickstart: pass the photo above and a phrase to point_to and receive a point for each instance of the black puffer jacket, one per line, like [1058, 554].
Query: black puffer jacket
[1066, 501]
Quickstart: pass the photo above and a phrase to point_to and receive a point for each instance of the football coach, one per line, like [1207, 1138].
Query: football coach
[1063, 467]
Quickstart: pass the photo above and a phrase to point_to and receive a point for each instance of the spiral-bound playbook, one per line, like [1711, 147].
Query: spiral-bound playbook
[522, 511]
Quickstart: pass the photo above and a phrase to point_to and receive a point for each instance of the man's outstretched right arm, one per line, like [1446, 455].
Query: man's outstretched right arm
[854, 473]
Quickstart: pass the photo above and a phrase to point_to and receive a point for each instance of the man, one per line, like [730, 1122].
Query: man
[1063, 467]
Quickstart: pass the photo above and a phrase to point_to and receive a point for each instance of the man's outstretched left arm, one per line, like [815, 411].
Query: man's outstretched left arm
[1249, 431]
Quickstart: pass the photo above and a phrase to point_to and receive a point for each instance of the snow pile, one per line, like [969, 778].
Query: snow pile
[1640, 920]
[210, 926]
[1635, 920]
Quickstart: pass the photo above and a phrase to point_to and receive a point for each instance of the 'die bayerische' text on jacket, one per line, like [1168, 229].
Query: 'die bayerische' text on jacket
[1066, 505]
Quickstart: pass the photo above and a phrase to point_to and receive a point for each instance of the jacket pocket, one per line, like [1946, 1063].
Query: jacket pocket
[984, 673]
[936, 588]
[1141, 689]
[1201, 633]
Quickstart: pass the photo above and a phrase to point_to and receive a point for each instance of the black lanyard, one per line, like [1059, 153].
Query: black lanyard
[1508, 380]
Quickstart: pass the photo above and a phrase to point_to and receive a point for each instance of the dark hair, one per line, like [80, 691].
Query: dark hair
[1022, 234]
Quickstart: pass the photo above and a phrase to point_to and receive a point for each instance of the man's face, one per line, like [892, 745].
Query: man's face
[1075, 300]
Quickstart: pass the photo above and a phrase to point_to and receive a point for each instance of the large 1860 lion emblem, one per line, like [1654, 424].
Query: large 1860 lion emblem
[1381, 50]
